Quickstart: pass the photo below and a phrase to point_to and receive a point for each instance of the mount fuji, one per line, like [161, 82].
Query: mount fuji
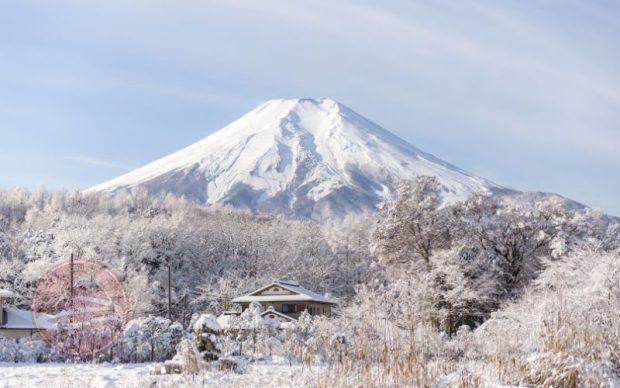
[303, 158]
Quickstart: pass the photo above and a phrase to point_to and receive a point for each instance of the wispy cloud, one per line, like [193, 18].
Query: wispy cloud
[99, 162]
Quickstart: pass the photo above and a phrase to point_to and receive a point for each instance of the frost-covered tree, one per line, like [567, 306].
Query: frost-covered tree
[214, 253]
[514, 236]
[462, 290]
[350, 242]
[249, 326]
[299, 336]
[412, 227]
[475, 254]
[149, 339]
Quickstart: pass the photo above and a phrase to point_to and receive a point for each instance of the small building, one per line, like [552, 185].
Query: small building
[284, 299]
[275, 318]
[18, 323]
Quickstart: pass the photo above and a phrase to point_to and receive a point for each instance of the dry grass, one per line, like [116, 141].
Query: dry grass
[565, 334]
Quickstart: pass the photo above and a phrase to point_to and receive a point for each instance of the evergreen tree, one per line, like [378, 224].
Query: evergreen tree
[208, 339]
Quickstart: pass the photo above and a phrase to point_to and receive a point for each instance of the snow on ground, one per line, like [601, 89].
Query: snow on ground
[276, 373]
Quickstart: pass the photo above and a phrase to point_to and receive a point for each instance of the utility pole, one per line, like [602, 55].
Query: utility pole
[71, 282]
[170, 289]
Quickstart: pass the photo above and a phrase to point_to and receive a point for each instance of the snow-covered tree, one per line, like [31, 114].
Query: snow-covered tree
[208, 339]
[214, 252]
[149, 339]
[514, 235]
[249, 326]
[411, 227]
[299, 335]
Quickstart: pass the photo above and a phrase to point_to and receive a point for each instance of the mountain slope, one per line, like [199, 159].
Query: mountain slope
[310, 158]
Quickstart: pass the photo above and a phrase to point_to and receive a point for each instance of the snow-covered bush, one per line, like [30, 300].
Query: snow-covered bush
[24, 350]
[33, 350]
[8, 349]
[273, 345]
[187, 360]
[149, 339]
[300, 337]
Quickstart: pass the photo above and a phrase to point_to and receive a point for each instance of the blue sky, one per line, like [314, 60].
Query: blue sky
[524, 93]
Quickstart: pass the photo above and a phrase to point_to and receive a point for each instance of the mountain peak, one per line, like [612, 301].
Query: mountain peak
[311, 158]
[323, 106]
[298, 106]
[322, 101]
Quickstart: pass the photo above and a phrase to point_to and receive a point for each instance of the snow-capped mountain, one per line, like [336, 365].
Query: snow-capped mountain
[311, 158]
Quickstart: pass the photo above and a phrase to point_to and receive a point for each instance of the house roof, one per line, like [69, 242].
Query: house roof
[224, 319]
[24, 319]
[300, 294]
[271, 311]
[6, 293]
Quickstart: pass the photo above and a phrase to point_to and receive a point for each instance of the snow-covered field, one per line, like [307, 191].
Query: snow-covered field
[276, 373]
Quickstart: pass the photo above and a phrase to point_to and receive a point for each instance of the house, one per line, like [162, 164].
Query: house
[18, 323]
[270, 316]
[286, 299]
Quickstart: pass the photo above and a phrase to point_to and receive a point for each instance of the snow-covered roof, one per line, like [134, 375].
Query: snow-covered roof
[23, 319]
[224, 319]
[271, 311]
[298, 294]
[6, 293]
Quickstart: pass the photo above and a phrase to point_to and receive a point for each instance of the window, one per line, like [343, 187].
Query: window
[313, 310]
[288, 308]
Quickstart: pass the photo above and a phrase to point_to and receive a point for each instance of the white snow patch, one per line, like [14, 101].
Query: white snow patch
[274, 372]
